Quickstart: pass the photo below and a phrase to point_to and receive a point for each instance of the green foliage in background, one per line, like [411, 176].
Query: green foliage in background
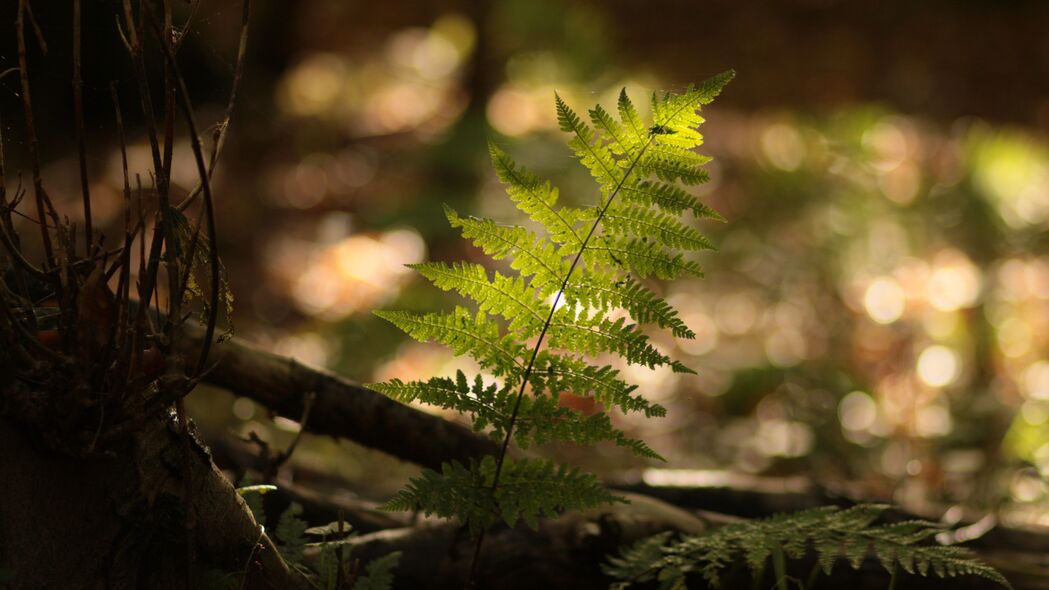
[322, 554]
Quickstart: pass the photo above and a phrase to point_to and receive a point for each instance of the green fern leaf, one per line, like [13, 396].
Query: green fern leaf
[643, 258]
[532, 255]
[291, 530]
[529, 488]
[591, 151]
[542, 420]
[568, 278]
[676, 117]
[537, 199]
[644, 224]
[831, 533]
[577, 331]
[378, 574]
[668, 197]
[557, 373]
[622, 142]
[668, 166]
[465, 333]
[510, 298]
[485, 402]
[603, 292]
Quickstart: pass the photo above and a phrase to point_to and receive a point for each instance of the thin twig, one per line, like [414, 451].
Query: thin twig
[78, 115]
[283, 456]
[209, 209]
[7, 229]
[164, 231]
[222, 130]
[31, 138]
[186, 26]
[16, 255]
[37, 32]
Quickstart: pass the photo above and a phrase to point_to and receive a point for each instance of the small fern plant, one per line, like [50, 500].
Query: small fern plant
[828, 531]
[538, 324]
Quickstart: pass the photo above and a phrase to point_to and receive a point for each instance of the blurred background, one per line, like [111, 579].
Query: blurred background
[876, 318]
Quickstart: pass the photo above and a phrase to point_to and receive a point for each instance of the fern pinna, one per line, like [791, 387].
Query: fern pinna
[562, 290]
[828, 531]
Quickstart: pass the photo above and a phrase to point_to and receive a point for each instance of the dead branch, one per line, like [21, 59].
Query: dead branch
[341, 409]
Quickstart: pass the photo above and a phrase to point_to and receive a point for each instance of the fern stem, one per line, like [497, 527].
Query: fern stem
[539, 343]
[892, 580]
[779, 568]
[542, 334]
[814, 574]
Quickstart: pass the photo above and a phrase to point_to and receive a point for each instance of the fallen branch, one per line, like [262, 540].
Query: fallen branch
[564, 552]
[341, 408]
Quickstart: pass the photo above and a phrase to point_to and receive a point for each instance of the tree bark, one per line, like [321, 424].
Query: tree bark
[126, 518]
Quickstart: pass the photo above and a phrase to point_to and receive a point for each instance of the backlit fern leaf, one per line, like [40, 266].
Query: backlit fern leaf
[648, 224]
[830, 532]
[511, 298]
[589, 148]
[594, 334]
[537, 198]
[602, 292]
[483, 401]
[643, 258]
[571, 279]
[532, 255]
[668, 197]
[557, 374]
[465, 333]
[668, 166]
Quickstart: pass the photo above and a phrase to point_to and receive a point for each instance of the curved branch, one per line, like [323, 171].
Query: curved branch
[341, 408]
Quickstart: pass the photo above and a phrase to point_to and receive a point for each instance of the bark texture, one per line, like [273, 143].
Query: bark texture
[126, 518]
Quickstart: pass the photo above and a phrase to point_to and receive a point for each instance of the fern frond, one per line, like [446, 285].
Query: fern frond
[291, 530]
[537, 198]
[532, 255]
[541, 420]
[486, 402]
[676, 117]
[528, 489]
[568, 278]
[510, 298]
[604, 292]
[832, 533]
[571, 330]
[378, 574]
[668, 197]
[621, 142]
[590, 150]
[465, 333]
[643, 258]
[557, 374]
[632, 124]
[645, 224]
[672, 165]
